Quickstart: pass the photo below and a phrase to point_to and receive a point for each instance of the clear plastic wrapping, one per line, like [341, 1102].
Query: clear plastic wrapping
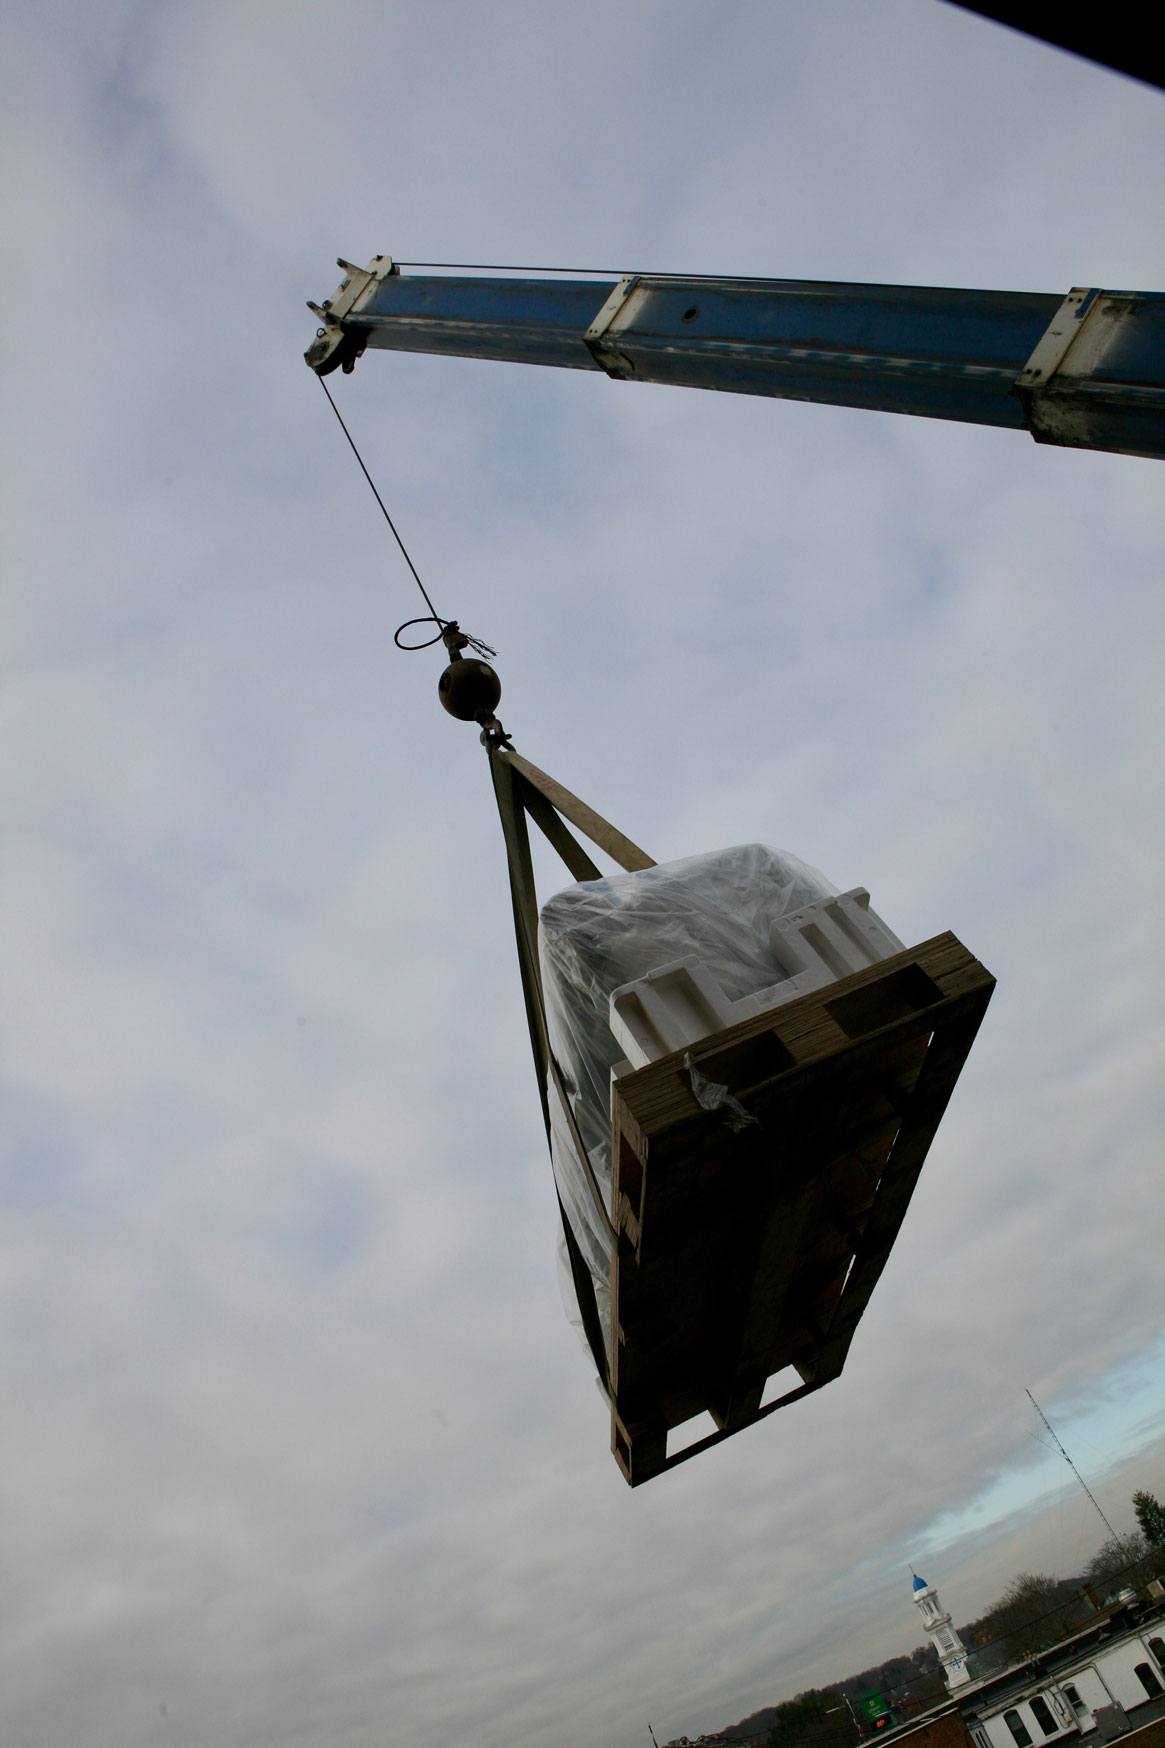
[599, 934]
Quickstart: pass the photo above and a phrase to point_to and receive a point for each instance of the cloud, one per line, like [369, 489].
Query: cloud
[300, 1445]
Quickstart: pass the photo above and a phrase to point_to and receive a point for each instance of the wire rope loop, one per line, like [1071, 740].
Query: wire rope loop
[424, 619]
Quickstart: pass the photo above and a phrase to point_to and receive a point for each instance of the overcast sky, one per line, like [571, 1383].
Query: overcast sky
[299, 1446]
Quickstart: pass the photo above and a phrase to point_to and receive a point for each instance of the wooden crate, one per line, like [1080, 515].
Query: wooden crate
[742, 1254]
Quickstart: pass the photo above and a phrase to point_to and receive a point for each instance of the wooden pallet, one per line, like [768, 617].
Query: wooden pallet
[742, 1254]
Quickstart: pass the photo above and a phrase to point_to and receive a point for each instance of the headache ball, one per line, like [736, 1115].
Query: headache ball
[469, 689]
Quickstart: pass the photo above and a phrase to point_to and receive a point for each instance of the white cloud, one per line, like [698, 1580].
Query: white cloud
[300, 1443]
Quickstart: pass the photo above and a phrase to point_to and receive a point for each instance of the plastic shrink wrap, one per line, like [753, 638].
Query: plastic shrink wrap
[718, 908]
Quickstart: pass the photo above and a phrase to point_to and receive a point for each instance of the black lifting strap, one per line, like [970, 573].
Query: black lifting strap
[521, 789]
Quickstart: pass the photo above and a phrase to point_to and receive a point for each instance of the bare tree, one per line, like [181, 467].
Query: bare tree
[1124, 1560]
[1035, 1610]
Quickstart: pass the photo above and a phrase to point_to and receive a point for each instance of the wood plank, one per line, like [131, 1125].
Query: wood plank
[740, 1254]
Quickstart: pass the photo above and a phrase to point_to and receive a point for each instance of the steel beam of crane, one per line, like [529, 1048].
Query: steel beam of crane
[1086, 370]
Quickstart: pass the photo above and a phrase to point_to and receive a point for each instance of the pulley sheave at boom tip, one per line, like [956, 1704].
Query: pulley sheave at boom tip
[1086, 370]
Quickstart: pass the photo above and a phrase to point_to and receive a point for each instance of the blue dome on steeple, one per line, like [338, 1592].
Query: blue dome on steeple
[919, 1583]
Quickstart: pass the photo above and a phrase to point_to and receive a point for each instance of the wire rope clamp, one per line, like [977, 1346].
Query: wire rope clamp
[335, 346]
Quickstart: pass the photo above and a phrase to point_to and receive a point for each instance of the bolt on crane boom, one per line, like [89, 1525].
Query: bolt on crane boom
[1085, 370]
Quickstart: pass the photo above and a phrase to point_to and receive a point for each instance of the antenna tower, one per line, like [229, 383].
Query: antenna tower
[1070, 1463]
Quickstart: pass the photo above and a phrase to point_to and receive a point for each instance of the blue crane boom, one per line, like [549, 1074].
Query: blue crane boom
[1086, 370]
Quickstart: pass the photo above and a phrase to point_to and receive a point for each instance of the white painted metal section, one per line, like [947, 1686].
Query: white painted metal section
[1060, 333]
[348, 299]
[614, 316]
[1072, 351]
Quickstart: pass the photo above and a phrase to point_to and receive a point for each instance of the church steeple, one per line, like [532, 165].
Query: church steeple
[951, 1650]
